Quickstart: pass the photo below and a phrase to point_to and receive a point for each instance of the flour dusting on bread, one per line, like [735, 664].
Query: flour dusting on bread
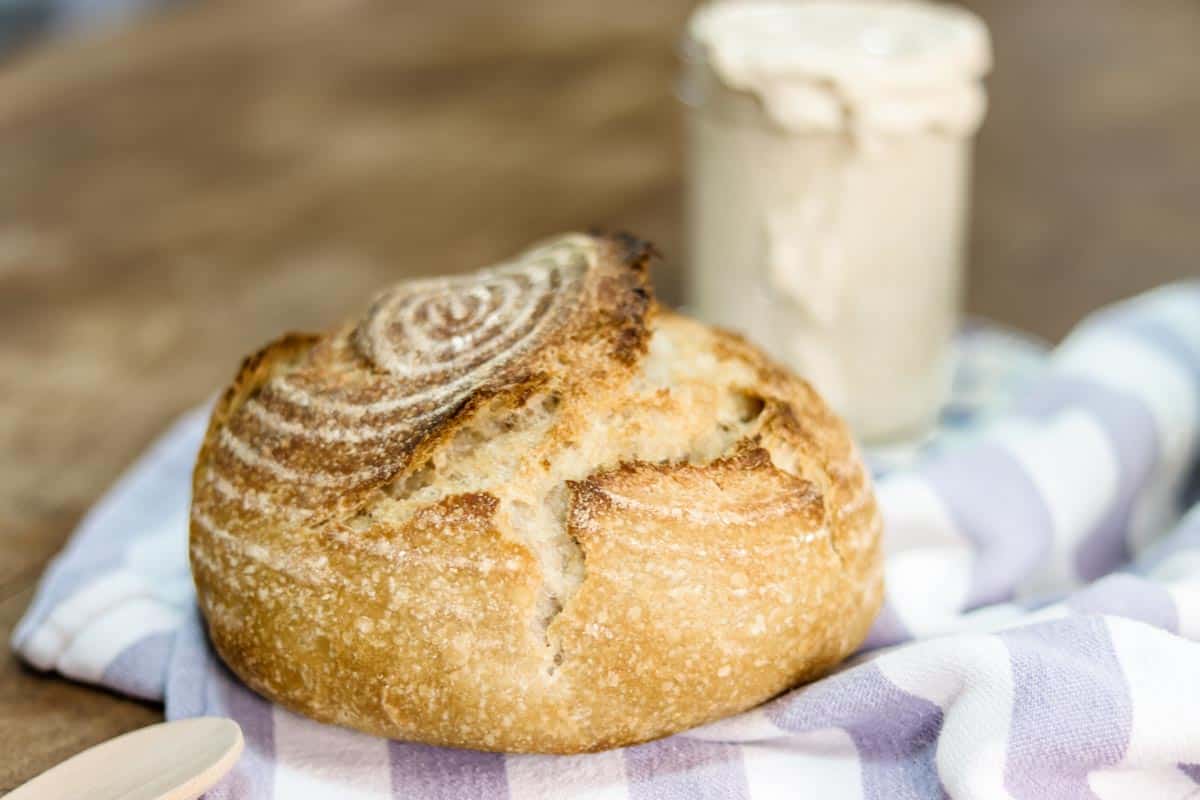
[526, 509]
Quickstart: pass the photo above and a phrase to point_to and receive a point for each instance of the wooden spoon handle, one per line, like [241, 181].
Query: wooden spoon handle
[170, 761]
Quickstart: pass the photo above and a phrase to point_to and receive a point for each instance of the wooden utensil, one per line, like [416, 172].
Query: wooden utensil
[171, 761]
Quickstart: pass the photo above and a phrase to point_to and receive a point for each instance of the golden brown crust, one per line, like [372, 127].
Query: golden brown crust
[528, 511]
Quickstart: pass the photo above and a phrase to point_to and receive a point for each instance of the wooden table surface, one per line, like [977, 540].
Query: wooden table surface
[175, 193]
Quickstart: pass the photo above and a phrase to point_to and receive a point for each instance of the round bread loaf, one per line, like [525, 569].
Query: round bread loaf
[527, 510]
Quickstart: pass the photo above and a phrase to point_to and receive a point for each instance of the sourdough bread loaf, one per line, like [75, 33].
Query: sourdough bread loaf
[528, 510]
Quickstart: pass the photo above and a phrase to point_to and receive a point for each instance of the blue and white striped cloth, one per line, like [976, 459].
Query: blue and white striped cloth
[1041, 637]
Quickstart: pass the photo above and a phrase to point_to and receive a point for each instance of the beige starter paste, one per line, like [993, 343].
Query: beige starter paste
[829, 168]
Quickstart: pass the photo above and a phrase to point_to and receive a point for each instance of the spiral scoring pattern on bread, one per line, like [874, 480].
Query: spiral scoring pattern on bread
[439, 337]
[427, 345]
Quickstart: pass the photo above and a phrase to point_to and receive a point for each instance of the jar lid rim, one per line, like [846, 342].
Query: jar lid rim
[887, 43]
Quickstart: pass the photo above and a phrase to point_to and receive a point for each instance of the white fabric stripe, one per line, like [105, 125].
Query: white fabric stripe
[815, 764]
[1186, 597]
[1160, 671]
[929, 561]
[1123, 362]
[970, 679]
[1071, 461]
[1122, 784]
[596, 776]
[999, 617]
[1180, 574]
[928, 588]
[107, 635]
[915, 517]
[1177, 310]
[315, 761]
[749, 726]
[990, 618]
[47, 642]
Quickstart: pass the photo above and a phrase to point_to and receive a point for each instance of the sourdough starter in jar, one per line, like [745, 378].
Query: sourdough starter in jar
[828, 163]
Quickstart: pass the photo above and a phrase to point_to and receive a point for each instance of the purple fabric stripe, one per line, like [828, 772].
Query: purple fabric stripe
[141, 669]
[199, 684]
[993, 501]
[1191, 770]
[1131, 430]
[422, 772]
[895, 732]
[192, 664]
[1129, 596]
[254, 774]
[685, 769]
[887, 629]
[1071, 710]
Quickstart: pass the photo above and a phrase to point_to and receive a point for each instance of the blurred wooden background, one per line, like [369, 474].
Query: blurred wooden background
[175, 193]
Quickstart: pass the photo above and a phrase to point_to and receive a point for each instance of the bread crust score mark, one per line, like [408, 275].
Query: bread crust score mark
[527, 510]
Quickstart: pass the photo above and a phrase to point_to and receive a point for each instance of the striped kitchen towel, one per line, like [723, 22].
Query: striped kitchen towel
[1039, 639]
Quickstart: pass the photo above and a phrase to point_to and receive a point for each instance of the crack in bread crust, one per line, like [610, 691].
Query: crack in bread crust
[527, 510]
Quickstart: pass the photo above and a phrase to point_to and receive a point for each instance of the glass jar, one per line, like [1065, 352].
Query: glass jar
[828, 173]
